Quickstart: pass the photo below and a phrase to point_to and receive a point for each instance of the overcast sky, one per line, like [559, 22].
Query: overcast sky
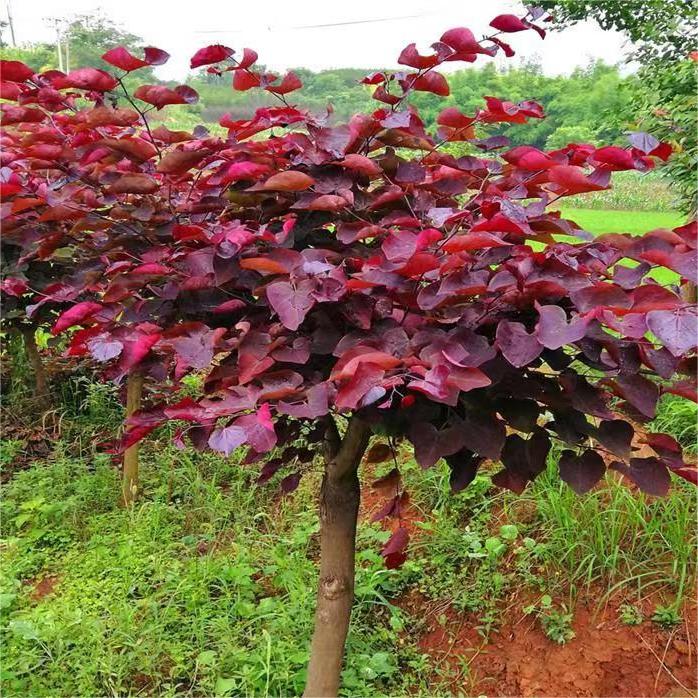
[286, 33]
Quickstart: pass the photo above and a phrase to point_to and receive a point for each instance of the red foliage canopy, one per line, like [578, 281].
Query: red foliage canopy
[310, 268]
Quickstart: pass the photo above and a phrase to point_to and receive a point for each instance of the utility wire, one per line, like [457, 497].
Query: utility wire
[321, 26]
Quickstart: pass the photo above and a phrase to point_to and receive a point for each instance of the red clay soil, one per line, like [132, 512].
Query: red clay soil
[605, 658]
[43, 587]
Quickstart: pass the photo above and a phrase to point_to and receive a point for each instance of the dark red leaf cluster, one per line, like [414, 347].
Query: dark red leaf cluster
[319, 269]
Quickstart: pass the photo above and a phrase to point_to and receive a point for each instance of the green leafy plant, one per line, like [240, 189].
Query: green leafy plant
[666, 616]
[630, 614]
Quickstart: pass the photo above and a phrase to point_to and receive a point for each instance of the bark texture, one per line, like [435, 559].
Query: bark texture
[40, 380]
[339, 507]
[134, 390]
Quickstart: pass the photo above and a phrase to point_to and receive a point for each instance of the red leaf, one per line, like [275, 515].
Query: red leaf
[121, 57]
[572, 179]
[508, 24]
[134, 184]
[75, 316]
[248, 58]
[289, 83]
[15, 71]
[210, 54]
[411, 57]
[291, 180]
[160, 96]
[90, 79]
[244, 80]
[432, 82]
[179, 161]
[393, 551]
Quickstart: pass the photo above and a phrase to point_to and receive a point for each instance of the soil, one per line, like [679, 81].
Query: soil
[605, 658]
[44, 587]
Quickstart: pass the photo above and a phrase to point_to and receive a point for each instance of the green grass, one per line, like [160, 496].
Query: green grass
[632, 222]
[636, 191]
[678, 417]
[208, 586]
[618, 221]
[209, 592]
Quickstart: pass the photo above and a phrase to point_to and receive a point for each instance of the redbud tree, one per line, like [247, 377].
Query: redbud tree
[332, 282]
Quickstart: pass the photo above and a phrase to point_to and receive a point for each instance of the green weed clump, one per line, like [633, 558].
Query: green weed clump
[206, 587]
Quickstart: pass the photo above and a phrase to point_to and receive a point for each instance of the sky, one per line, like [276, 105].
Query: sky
[289, 34]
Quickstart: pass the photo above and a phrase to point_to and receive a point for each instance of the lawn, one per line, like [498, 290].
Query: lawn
[600, 221]
[613, 221]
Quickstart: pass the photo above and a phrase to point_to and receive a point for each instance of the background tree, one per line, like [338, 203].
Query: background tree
[665, 37]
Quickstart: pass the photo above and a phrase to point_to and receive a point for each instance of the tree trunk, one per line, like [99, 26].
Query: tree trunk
[134, 390]
[40, 381]
[339, 507]
[689, 292]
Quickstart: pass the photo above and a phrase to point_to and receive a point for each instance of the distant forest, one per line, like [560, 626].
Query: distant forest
[583, 106]
[593, 104]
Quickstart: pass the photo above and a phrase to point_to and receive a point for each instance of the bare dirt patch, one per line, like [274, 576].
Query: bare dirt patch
[43, 587]
[606, 658]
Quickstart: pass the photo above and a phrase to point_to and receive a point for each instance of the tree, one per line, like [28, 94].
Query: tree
[664, 95]
[661, 30]
[341, 283]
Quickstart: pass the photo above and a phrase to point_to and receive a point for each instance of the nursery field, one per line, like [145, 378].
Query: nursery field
[206, 586]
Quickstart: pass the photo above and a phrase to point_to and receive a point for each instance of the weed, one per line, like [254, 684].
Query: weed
[556, 622]
[679, 417]
[557, 625]
[666, 616]
[630, 614]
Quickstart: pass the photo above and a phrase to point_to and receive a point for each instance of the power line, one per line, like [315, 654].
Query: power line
[321, 26]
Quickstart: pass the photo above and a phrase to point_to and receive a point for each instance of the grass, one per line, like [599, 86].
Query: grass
[207, 586]
[630, 191]
[204, 593]
[633, 222]
[615, 221]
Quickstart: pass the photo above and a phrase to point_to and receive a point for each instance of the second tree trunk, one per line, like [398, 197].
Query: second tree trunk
[134, 390]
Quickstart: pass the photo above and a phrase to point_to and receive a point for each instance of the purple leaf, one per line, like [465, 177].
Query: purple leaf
[677, 329]
[103, 347]
[649, 474]
[463, 466]
[430, 443]
[227, 439]
[640, 392]
[259, 429]
[581, 472]
[393, 551]
[643, 141]
[616, 435]
[518, 346]
[290, 482]
[484, 434]
[366, 377]
[554, 331]
[290, 303]
[316, 404]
